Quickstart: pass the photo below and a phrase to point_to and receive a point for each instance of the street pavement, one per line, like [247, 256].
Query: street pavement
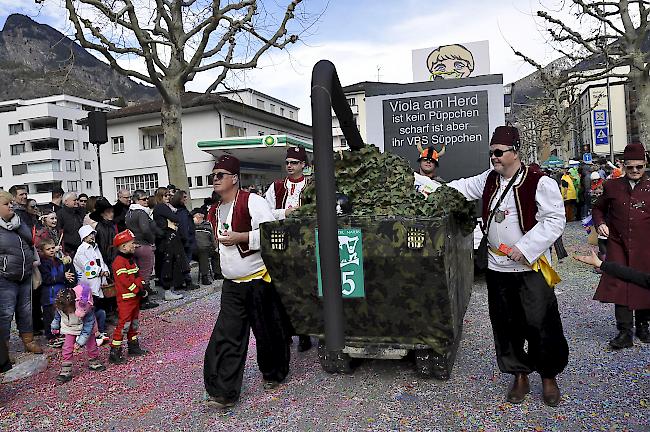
[602, 390]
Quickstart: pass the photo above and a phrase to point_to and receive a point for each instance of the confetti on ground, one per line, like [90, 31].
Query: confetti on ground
[602, 389]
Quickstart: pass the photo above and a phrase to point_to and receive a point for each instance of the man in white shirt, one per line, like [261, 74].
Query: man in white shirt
[284, 194]
[426, 180]
[522, 227]
[284, 197]
[248, 299]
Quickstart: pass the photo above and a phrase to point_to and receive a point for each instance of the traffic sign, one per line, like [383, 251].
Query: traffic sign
[586, 158]
[600, 118]
[602, 136]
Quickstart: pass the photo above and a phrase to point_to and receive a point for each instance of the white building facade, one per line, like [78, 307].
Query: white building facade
[42, 146]
[355, 94]
[263, 102]
[133, 158]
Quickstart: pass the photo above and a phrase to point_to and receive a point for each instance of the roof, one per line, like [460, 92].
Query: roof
[194, 99]
[258, 93]
[360, 86]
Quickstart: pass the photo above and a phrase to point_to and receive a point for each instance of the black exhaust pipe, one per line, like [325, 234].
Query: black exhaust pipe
[327, 94]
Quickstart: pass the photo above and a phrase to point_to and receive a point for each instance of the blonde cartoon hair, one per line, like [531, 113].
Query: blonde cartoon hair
[450, 52]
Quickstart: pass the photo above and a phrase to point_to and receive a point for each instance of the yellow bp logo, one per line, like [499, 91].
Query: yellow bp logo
[270, 140]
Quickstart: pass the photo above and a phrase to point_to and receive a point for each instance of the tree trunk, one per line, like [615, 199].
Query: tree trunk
[171, 112]
[641, 84]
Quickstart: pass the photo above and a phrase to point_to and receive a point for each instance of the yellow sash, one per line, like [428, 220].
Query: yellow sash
[263, 274]
[541, 265]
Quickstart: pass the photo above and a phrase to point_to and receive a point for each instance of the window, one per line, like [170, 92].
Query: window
[146, 182]
[89, 185]
[19, 169]
[88, 165]
[291, 115]
[352, 101]
[118, 145]
[46, 187]
[86, 145]
[71, 166]
[260, 104]
[67, 124]
[17, 149]
[344, 142]
[73, 186]
[235, 131]
[272, 108]
[50, 144]
[84, 126]
[152, 140]
[68, 145]
[189, 181]
[199, 181]
[208, 179]
[282, 111]
[15, 128]
[0, 171]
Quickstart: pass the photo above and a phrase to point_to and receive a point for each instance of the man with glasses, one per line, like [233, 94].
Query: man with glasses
[284, 194]
[83, 200]
[248, 299]
[284, 197]
[523, 215]
[426, 180]
[622, 215]
[69, 220]
[121, 207]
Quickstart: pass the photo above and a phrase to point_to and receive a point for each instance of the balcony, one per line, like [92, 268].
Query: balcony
[42, 123]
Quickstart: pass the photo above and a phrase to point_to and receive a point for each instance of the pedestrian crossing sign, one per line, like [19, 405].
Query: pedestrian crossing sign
[602, 136]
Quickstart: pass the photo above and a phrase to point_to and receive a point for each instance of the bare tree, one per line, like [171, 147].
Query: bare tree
[174, 40]
[607, 41]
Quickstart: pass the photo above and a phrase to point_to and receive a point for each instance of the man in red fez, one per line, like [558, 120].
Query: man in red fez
[248, 299]
[622, 215]
[523, 215]
[284, 197]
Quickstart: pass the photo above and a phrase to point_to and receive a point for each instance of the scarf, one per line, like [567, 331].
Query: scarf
[12, 224]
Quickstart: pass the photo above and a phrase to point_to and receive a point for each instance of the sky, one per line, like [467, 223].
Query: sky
[370, 40]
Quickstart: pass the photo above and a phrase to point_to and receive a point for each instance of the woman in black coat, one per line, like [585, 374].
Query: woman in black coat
[186, 231]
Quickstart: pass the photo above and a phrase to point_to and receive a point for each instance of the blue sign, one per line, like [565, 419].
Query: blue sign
[602, 136]
[600, 118]
[586, 158]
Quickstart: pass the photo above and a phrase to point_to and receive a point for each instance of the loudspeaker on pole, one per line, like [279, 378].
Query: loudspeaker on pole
[97, 133]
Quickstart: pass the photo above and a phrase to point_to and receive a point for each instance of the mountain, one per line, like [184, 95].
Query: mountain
[37, 60]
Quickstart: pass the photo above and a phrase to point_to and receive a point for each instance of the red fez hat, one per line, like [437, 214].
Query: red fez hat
[123, 237]
[228, 163]
[634, 151]
[506, 135]
[297, 153]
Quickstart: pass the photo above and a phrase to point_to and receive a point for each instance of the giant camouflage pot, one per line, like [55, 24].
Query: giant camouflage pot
[418, 276]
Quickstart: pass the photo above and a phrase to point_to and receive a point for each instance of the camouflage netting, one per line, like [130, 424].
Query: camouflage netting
[381, 184]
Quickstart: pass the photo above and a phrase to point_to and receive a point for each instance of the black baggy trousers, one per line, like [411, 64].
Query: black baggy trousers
[245, 306]
[523, 308]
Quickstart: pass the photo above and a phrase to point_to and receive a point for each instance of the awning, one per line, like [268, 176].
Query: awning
[553, 161]
[263, 152]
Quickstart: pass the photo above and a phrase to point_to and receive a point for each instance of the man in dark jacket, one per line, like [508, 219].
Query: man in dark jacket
[20, 204]
[622, 214]
[17, 258]
[70, 219]
[121, 207]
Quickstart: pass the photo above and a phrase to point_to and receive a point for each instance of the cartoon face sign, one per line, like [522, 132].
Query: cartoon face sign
[450, 62]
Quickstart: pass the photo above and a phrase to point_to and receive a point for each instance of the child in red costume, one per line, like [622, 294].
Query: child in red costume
[129, 288]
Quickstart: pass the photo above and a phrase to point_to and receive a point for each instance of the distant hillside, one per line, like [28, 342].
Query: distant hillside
[37, 60]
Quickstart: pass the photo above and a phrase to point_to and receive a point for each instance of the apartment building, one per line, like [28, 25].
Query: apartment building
[263, 102]
[43, 147]
[356, 97]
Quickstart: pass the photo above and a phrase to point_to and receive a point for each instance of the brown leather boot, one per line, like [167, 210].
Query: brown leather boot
[550, 392]
[31, 345]
[520, 387]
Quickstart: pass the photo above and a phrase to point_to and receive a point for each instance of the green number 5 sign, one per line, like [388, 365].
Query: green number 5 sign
[351, 263]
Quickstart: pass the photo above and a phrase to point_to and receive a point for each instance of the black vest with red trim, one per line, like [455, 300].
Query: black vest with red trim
[524, 196]
[281, 192]
[241, 220]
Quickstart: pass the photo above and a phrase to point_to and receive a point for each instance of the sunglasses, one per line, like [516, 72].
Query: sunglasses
[32, 206]
[220, 176]
[635, 167]
[499, 152]
[83, 201]
[292, 162]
